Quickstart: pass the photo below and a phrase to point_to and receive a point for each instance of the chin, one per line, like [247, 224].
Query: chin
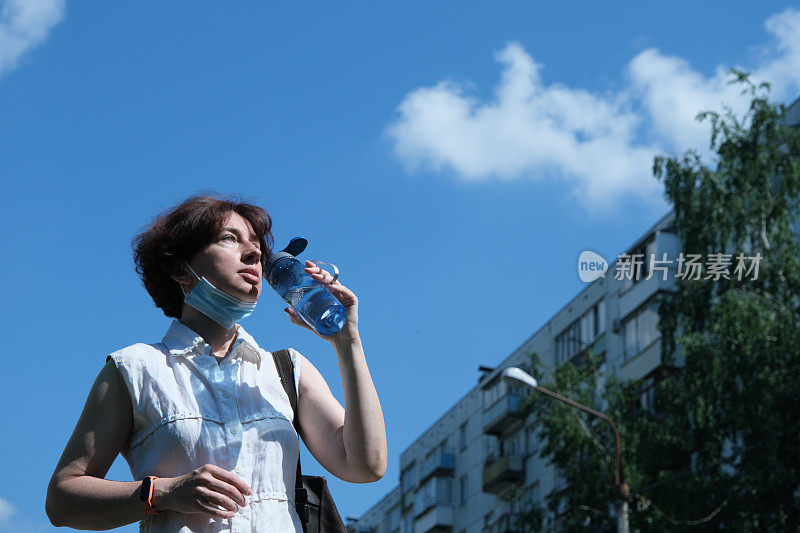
[248, 293]
[253, 295]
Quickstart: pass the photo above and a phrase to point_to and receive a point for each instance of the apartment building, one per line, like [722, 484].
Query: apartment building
[452, 475]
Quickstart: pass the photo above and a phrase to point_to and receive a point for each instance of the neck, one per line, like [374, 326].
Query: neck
[216, 336]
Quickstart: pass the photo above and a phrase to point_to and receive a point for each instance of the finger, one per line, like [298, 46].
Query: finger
[233, 486]
[230, 478]
[227, 495]
[313, 267]
[338, 286]
[216, 498]
[340, 291]
[214, 511]
[319, 273]
[295, 318]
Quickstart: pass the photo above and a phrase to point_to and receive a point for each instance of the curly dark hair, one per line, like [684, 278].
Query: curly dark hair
[179, 233]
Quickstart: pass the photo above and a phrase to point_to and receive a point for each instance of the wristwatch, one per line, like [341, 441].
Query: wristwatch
[146, 495]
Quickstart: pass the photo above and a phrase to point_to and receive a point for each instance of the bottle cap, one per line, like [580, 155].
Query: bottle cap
[293, 249]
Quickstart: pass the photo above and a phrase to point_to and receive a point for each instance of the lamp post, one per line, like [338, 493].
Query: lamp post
[620, 487]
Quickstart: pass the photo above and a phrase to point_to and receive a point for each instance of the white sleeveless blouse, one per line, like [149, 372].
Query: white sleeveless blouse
[189, 410]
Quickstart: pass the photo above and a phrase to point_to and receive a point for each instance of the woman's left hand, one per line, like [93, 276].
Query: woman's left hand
[346, 297]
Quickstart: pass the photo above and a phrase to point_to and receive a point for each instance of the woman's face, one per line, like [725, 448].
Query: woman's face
[231, 262]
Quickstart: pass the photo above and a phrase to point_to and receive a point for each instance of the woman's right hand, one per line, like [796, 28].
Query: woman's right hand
[201, 491]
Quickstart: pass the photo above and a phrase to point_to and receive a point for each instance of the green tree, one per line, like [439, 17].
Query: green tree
[720, 449]
[578, 444]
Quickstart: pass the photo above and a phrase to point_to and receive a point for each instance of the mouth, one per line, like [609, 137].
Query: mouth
[251, 275]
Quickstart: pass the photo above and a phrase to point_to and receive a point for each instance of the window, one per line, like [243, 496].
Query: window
[631, 343]
[393, 519]
[600, 316]
[588, 325]
[444, 490]
[499, 389]
[435, 491]
[647, 325]
[640, 328]
[462, 489]
[491, 448]
[581, 333]
[568, 343]
[640, 261]
[513, 445]
[647, 395]
[560, 479]
[530, 495]
[533, 442]
[408, 478]
[408, 523]
[462, 436]
[512, 387]
[491, 394]
[443, 447]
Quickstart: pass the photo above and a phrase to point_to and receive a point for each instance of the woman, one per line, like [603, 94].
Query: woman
[203, 412]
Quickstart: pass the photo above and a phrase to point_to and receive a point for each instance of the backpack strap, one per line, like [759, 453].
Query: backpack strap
[283, 363]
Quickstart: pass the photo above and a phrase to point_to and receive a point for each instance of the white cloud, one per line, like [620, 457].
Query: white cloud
[24, 24]
[10, 520]
[783, 68]
[6, 510]
[602, 146]
[672, 94]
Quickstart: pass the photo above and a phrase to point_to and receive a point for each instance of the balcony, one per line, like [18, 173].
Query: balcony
[642, 362]
[437, 519]
[439, 464]
[502, 473]
[503, 416]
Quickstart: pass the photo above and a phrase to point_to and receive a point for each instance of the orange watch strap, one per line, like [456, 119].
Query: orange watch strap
[147, 504]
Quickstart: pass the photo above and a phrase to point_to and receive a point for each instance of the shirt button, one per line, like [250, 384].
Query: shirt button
[226, 394]
[238, 469]
[234, 430]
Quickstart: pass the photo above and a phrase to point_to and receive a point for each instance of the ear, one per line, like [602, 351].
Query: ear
[181, 274]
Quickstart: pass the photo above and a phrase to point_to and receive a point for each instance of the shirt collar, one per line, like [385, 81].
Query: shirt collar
[182, 340]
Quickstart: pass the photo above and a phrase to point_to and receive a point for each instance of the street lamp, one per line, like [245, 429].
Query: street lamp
[620, 488]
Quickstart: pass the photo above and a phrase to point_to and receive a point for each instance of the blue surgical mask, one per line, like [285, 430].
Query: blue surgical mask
[217, 305]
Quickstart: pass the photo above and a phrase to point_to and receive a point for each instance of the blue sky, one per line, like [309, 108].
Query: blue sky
[452, 158]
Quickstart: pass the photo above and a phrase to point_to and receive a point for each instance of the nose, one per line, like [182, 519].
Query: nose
[252, 254]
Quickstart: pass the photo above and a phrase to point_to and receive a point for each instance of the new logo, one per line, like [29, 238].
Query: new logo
[591, 266]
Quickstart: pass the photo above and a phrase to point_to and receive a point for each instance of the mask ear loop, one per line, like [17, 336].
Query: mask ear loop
[335, 269]
[193, 272]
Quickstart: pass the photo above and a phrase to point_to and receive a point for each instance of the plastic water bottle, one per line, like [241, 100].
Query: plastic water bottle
[312, 300]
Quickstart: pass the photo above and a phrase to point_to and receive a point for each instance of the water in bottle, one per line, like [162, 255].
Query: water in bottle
[312, 300]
